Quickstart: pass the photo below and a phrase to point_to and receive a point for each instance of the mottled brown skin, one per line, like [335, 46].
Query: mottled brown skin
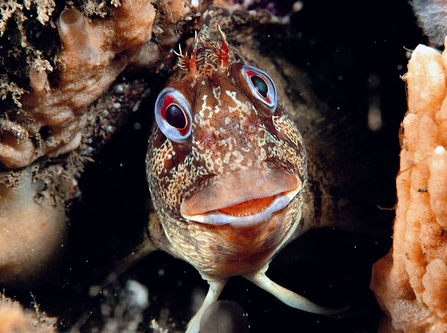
[234, 140]
[178, 170]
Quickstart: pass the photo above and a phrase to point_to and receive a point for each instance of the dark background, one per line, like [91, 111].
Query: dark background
[342, 45]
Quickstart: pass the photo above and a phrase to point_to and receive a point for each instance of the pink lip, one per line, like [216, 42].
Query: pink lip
[242, 198]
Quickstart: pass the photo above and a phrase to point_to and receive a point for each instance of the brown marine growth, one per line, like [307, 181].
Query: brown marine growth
[410, 282]
[51, 122]
[61, 114]
[227, 168]
[52, 117]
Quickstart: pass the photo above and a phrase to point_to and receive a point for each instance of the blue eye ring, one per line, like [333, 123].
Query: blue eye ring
[168, 100]
[261, 86]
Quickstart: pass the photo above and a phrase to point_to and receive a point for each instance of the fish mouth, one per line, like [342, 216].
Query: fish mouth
[243, 198]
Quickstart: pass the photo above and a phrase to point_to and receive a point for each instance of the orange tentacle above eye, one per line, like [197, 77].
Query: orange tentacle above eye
[192, 61]
[222, 53]
[189, 64]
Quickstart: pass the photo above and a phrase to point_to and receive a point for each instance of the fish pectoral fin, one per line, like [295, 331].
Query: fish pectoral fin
[289, 297]
[216, 286]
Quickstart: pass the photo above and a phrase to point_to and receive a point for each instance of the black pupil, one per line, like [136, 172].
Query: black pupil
[260, 85]
[175, 116]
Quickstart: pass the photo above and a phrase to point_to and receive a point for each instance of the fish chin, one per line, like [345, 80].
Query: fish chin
[223, 216]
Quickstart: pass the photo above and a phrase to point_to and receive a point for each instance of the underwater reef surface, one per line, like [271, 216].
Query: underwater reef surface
[93, 186]
[409, 282]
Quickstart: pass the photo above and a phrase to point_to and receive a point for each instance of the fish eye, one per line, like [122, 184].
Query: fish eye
[173, 115]
[261, 86]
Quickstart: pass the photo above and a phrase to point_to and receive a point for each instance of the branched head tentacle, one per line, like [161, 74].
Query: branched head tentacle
[223, 52]
[188, 63]
[220, 51]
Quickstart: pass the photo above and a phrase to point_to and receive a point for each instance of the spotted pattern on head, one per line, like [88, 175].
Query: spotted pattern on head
[231, 130]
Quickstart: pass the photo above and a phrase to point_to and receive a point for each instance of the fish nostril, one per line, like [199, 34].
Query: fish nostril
[45, 132]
